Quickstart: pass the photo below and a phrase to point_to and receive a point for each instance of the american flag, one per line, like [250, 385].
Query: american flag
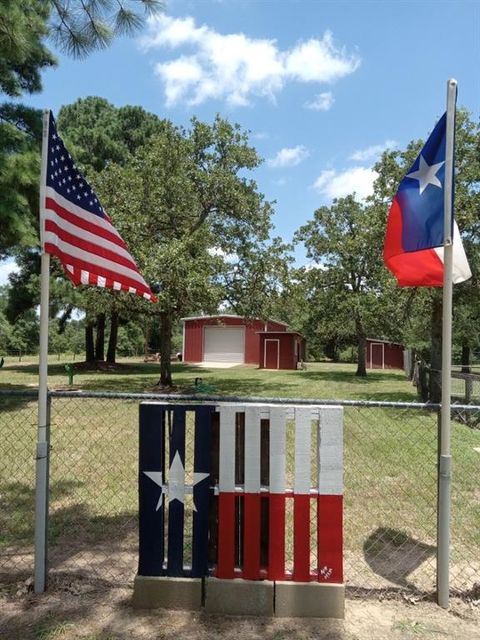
[77, 230]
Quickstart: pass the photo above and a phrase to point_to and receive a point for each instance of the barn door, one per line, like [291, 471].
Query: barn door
[377, 355]
[271, 354]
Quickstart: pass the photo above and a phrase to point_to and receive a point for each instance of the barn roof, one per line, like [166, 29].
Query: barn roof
[280, 333]
[399, 344]
[229, 315]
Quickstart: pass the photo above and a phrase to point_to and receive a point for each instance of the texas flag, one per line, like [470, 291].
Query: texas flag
[413, 249]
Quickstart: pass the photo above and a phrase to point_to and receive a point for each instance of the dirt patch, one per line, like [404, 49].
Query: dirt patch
[76, 609]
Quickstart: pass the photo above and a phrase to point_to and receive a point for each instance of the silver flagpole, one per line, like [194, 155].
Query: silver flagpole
[445, 461]
[43, 432]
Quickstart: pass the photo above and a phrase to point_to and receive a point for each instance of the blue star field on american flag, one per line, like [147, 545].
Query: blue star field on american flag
[65, 177]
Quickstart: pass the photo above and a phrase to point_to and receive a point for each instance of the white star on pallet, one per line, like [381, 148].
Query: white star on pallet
[176, 487]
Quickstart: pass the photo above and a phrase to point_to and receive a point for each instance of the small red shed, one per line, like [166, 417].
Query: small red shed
[382, 354]
[281, 349]
[224, 338]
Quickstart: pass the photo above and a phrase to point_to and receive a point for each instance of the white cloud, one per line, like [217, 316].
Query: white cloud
[321, 102]
[7, 267]
[288, 157]
[319, 61]
[372, 152]
[235, 67]
[358, 180]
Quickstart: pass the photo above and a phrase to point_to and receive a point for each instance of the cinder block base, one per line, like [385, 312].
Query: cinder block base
[169, 593]
[239, 597]
[309, 600]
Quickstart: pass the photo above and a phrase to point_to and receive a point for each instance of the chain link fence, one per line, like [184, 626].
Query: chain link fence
[390, 492]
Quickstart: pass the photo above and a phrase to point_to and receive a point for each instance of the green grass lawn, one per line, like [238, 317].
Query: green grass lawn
[320, 380]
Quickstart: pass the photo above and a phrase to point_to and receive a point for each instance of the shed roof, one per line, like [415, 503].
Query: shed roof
[229, 315]
[280, 333]
[398, 344]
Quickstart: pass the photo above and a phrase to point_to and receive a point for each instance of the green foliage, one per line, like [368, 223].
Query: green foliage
[98, 134]
[344, 292]
[23, 54]
[20, 142]
[131, 341]
[25, 333]
[80, 27]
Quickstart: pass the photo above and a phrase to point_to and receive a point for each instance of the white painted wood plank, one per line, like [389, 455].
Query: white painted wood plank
[252, 449]
[330, 451]
[278, 446]
[303, 426]
[226, 481]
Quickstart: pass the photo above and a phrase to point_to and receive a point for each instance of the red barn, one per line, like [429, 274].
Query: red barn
[281, 349]
[224, 338]
[382, 354]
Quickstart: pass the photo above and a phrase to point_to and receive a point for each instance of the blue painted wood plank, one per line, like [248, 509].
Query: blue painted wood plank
[201, 490]
[151, 498]
[176, 483]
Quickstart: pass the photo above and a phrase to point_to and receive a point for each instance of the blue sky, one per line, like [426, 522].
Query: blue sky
[323, 87]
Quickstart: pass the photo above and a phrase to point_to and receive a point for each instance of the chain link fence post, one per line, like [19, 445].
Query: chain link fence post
[41, 502]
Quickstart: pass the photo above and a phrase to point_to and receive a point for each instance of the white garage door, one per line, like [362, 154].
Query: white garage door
[224, 344]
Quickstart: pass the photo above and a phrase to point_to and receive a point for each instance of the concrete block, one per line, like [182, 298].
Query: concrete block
[309, 600]
[239, 597]
[151, 592]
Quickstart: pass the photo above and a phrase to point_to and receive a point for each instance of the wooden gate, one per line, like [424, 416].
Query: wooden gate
[241, 491]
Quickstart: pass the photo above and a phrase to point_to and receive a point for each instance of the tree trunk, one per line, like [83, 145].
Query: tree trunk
[146, 335]
[165, 350]
[89, 345]
[465, 359]
[100, 338]
[362, 348]
[435, 387]
[112, 340]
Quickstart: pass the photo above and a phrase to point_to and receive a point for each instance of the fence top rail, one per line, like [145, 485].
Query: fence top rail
[460, 375]
[206, 399]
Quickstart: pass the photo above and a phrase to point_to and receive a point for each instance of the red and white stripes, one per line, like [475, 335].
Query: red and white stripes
[89, 247]
[290, 432]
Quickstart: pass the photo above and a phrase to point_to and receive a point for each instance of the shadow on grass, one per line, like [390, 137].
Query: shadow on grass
[93, 541]
[394, 555]
[16, 396]
[17, 509]
[348, 376]
[380, 396]
[120, 368]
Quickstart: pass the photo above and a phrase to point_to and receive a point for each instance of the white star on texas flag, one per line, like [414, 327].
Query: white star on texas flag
[176, 485]
[426, 174]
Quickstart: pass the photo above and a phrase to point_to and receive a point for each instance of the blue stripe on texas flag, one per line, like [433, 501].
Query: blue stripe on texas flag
[156, 488]
[176, 509]
[201, 490]
[151, 499]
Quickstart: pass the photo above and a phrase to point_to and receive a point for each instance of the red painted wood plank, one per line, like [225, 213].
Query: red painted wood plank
[301, 538]
[226, 535]
[330, 538]
[251, 537]
[276, 537]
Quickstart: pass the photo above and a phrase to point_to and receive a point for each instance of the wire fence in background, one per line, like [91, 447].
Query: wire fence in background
[390, 492]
